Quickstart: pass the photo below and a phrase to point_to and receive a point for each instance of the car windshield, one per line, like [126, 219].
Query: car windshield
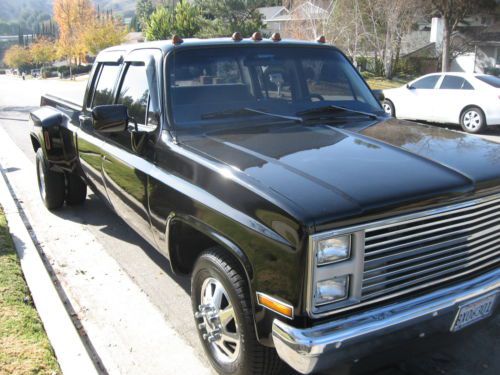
[490, 80]
[219, 84]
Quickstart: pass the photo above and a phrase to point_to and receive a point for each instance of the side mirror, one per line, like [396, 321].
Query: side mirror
[379, 94]
[409, 87]
[110, 118]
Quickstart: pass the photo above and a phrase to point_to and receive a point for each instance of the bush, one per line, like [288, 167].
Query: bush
[493, 71]
[367, 75]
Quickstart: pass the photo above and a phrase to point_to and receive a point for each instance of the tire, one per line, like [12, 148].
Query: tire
[215, 269]
[389, 107]
[50, 184]
[76, 190]
[473, 120]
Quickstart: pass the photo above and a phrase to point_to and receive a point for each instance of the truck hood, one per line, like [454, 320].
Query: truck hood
[335, 173]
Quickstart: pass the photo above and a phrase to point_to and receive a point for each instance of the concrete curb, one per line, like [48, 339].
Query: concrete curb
[70, 351]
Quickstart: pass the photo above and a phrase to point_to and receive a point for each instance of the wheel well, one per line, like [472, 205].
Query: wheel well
[35, 143]
[187, 242]
[393, 106]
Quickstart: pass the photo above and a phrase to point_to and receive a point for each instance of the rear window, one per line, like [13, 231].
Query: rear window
[455, 83]
[490, 80]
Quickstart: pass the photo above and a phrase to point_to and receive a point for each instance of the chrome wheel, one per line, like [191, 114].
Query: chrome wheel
[218, 323]
[387, 108]
[41, 182]
[472, 120]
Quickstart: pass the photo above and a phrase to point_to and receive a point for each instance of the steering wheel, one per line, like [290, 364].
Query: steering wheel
[316, 96]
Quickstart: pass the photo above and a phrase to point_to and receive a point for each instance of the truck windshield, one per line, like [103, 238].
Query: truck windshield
[284, 80]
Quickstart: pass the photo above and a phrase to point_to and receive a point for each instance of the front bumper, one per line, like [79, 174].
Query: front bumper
[348, 339]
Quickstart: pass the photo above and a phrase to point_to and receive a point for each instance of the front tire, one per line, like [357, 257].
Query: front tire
[389, 107]
[223, 315]
[50, 184]
[473, 120]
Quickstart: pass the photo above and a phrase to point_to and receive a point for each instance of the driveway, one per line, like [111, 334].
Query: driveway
[109, 242]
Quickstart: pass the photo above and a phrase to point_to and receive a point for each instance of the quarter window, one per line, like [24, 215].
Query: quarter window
[105, 85]
[455, 83]
[426, 82]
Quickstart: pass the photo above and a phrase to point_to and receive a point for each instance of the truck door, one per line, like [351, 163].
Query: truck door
[101, 92]
[130, 155]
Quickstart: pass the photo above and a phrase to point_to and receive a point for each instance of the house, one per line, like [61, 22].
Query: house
[303, 16]
[475, 45]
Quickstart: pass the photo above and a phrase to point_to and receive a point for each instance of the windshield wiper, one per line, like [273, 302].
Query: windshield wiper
[245, 112]
[334, 108]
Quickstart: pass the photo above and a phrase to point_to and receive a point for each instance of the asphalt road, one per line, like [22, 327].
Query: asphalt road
[476, 354]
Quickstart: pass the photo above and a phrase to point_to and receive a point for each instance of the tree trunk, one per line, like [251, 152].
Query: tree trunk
[388, 54]
[445, 58]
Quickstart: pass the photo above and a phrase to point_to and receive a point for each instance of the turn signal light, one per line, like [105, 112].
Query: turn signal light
[275, 305]
[276, 37]
[176, 39]
[237, 37]
[321, 39]
[257, 36]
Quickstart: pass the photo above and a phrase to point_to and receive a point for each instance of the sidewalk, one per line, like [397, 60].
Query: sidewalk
[127, 331]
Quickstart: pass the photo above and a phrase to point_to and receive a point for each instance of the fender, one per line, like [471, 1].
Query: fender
[262, 318]
[50, 132]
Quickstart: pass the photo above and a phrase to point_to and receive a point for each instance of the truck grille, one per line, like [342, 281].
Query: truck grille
[417, 253]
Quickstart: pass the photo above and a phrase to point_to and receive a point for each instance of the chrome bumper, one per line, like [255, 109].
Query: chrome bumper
[353, 337]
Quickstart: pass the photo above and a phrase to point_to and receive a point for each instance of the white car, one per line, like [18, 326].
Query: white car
[471, 100]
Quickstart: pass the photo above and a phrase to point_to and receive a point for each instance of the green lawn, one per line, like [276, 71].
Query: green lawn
[378, 83]
[24, 346]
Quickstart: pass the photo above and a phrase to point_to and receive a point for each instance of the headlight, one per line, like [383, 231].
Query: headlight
[335, 271]
[331, 290]
[333, 250]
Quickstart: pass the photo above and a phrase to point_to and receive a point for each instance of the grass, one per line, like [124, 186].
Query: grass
[378, 83]
[24, 346]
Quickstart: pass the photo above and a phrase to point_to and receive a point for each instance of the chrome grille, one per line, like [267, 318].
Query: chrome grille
[420, 252]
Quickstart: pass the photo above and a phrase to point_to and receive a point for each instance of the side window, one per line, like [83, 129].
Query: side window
[455, 83]
[134, 92]
[426, 82]
[105, 84]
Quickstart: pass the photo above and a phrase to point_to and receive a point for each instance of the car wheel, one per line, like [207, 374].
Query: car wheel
[223, 315]
[76, 189]
[473, 120]
[50, 184]
[389, 107]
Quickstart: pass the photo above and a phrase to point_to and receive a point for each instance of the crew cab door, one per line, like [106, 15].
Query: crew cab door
[101, 92]
[131, 152]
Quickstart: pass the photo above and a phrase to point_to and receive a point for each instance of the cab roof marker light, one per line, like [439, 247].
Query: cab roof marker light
[321, 39]
[237, 37]
[276, 37]
[176, 39]
[275, 305]
[257, 36]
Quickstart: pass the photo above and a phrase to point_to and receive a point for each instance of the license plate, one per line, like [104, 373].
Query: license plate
[473, 311]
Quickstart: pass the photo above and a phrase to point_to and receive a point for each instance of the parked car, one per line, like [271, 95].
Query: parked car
[470, 100]
[35, 73]
[316, 229]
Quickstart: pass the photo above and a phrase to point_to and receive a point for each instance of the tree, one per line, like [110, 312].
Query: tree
[143, 10]
[453, 12]
[184, 20]
[73, 18]
[103, 33]
[227, 16]
[43, 51]
[17, 57]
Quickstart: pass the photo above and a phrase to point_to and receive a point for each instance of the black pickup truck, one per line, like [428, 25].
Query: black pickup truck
[317, 230]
